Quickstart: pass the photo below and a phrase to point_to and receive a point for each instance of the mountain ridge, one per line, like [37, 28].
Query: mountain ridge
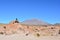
[35, 22]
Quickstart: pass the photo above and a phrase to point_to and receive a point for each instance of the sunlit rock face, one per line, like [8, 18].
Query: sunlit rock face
[11, 28]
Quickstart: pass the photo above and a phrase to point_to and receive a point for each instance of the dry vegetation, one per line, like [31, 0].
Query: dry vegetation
[40, 30]
[17, 31]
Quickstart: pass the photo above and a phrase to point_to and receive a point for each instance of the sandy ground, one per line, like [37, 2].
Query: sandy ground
[29, 37]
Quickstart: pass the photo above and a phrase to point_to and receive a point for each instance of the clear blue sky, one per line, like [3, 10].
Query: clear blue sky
[46, 10]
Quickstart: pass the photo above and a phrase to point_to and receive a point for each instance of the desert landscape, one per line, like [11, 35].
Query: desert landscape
[29, 19]
[29, 30]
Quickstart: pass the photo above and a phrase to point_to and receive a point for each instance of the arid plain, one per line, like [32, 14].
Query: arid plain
[16, 30]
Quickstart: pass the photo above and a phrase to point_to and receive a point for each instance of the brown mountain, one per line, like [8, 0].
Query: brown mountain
[35, 22]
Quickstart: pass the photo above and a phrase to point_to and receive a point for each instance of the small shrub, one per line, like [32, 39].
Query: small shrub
[36, 29]
[59, 32]
[4, 27]
[26, 34]
[38, 34]
[1, 33]
[52, 28]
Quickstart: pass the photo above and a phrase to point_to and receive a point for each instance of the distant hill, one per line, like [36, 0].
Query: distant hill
[57, 24]
[1, 24]
[35, 22]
